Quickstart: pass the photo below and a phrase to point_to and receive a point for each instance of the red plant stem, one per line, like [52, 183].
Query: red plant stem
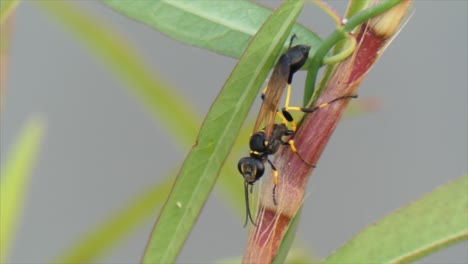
[311, 139]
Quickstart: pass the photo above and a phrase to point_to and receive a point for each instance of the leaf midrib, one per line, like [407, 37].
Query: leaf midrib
[206, 16]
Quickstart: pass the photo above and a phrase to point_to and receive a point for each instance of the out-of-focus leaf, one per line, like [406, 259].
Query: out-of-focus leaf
[128, 66]
[14, 178]
[433, 222]
[6, 10]
[101, 238]
[7, 7]
[217, 136]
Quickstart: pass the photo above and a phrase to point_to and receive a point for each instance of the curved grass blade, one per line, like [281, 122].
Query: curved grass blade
[14, 178]
[433, 222]
[217, 136]
[127, 65]
[224, 27]
[106, 235]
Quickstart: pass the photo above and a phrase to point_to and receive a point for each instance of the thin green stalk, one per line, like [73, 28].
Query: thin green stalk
[340, 33]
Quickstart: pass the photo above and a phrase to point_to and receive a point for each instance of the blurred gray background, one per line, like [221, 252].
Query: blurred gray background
[102, 147]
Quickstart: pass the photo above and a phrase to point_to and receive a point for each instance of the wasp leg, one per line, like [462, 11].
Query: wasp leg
[294, 149]
[275, 180]
[286, 109]
[288, 117]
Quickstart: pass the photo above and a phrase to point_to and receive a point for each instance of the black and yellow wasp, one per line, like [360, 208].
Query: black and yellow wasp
[267, 141]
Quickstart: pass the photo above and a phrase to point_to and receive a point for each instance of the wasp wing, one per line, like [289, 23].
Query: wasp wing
[272, 96]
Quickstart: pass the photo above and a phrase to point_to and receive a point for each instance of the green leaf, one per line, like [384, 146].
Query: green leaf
[435, 221]
[224, 27]
[14, 178]
[217, 136]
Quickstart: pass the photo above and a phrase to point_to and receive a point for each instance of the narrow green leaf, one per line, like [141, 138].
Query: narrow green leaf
[128, 65]
[356, 6]
[217, 136]
[288, 239]
[6, 9]
[435, 221]
[224, 27]
[14, 178]
[101, 238]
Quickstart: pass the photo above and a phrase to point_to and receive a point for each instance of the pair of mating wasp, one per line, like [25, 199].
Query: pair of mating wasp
[267, 141]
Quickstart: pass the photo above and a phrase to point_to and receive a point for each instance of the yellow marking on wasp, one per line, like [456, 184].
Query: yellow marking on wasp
[288, 95]
[293, 108]
[264, 90]
[275, 177]
[281, 116]
[323, 105]
[286, 122]
[293, 147]
[293, 126]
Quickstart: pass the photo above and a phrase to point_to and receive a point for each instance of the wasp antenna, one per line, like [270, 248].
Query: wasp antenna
[274, 195]
[247, 205]
[292, 39]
